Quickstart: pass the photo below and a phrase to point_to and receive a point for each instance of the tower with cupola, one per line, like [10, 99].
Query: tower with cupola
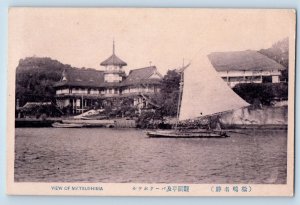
[114, 71]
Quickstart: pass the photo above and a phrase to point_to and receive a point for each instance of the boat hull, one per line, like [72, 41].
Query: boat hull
[187, 134]
[61, 125]
[91, 123]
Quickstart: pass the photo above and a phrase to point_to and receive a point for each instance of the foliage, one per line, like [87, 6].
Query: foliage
[168, 96]
[40, 111]
[279, 52]
[264, 93]
[35, 78]
[120, 107]
[167, 99]
[149, 119]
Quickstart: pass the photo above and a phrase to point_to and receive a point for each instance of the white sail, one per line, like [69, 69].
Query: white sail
[205, 92]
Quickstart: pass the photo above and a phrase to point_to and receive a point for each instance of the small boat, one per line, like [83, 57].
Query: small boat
[203, 96]
[91, 123]
[187, 134]
[69, 125]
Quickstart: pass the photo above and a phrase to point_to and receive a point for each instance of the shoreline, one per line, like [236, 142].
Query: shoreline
[32, 123]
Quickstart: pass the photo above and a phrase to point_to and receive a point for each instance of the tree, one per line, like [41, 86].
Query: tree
[35, 78]
[168, 96]
[264, 93]
[279, 52]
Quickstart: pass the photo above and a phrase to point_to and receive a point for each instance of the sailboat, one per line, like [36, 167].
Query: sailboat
[203, 95]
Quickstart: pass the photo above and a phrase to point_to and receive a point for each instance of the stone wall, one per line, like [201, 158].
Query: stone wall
[263, 116]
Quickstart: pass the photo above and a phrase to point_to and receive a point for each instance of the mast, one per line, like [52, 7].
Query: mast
[180, 95]
[81, 103]
[113, 46]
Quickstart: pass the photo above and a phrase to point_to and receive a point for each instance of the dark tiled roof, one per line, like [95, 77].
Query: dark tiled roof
[243, 61]
[82, 78]
[95, 79]
[113, 60]
[141, 75]
[111, 84]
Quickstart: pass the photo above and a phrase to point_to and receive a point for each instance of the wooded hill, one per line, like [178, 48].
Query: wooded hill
[35, 78]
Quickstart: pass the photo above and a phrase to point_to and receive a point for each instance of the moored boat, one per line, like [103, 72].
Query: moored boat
[91, 123]
[69, 125]
[187, 134]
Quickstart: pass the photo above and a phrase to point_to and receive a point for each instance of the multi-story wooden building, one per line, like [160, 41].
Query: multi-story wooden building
[246, 67]
[82, 89]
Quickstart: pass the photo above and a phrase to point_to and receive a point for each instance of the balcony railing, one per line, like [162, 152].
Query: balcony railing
[103, 95]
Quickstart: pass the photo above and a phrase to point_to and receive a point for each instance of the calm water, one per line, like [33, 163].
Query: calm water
[126, 155]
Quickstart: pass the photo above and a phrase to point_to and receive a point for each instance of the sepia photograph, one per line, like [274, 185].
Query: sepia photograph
[151, 101]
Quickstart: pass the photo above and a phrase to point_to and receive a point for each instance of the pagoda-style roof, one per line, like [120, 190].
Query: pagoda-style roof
[113, 60]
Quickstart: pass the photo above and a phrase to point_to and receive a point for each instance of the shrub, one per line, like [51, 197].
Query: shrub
[264, 93]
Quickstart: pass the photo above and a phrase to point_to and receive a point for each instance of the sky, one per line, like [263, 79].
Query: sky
[164, 37]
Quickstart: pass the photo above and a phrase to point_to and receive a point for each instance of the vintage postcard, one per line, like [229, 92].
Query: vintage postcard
[151, 102]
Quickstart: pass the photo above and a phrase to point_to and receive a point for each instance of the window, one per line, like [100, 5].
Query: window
[236, 79]
[267, 79]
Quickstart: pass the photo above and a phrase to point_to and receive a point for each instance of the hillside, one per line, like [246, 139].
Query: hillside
[35, 78]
